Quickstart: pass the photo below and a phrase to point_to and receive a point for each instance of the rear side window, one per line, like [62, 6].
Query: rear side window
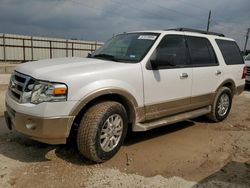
[201, 51]
[230, 52]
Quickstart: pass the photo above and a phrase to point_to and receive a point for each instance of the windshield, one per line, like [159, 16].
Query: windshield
[247, 58]
[130, 47]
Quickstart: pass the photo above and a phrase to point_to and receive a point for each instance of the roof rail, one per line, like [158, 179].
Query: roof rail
[196, 31]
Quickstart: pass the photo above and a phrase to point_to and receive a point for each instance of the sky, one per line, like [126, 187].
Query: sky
[99, 20]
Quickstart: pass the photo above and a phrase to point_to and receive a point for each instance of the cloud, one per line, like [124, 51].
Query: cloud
[100, 19]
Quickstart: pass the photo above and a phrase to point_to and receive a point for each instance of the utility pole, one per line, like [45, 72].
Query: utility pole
[245, 46]
[208, 20]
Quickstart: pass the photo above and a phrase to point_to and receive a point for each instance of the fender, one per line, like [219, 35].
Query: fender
[232, 87]
[136, 112]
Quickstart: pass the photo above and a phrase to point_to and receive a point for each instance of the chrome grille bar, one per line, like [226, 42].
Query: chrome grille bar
[18, 83]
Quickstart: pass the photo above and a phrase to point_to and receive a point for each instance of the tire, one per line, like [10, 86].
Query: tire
[217, 114]
[100, 122]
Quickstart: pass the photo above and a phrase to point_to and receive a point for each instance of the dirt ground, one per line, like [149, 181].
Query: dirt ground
[194, 153]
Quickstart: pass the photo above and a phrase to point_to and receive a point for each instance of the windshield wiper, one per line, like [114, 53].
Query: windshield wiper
[106, 56]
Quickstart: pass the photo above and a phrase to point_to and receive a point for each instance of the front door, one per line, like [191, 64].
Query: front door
[168, 79]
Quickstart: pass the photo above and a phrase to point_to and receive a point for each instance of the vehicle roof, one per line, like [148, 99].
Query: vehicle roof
[184, 32]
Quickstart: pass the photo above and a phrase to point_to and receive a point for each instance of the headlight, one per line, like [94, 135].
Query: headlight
[48, 92]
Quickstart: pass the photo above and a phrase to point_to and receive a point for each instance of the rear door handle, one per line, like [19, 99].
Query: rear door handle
[183, 75]
[218, 72]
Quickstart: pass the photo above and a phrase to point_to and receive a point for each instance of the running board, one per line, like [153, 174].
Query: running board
[171, 119]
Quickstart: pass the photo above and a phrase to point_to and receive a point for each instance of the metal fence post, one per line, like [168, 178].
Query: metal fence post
[24, 50]
[4, 49]
[50, 49]
[32, 53]
[67, 53]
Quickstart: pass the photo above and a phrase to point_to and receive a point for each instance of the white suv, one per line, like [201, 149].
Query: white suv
[247, 61]
[137, 80]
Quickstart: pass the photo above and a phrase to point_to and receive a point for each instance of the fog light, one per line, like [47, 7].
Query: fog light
[31, 125]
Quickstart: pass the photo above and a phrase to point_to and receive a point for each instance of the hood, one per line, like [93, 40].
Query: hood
[56, 69]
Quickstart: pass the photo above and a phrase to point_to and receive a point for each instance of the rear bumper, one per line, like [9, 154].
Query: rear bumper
[248, 78]
[240, 89]
[53, 130]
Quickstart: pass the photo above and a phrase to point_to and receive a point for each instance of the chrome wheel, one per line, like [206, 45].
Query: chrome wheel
[223, 104]
[111, 132]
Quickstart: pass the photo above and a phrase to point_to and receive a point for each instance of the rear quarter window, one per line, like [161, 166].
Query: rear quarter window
[230, 52]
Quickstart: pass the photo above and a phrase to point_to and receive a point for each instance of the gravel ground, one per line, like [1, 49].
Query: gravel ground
[194, 153]
[101, 178]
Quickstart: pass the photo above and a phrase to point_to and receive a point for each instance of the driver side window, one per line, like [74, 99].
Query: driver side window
[171, 51]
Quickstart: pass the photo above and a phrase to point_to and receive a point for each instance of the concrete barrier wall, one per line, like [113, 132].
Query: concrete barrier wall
[22, 48]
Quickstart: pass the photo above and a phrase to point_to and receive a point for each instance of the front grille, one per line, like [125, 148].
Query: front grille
[18, 85]
[248, 71]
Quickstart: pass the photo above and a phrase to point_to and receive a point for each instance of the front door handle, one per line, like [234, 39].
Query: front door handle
[218, 72]
[184, 75]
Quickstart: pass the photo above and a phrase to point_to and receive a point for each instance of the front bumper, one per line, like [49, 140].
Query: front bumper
[46, 122]
[53, 130]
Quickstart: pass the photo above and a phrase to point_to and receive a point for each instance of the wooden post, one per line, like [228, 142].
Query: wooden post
[245, 46]
[72, 49]
[208, 20]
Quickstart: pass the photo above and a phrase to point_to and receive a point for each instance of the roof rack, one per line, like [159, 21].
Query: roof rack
[196, 31]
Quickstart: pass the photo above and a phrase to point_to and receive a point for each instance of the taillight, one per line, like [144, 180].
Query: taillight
[244, 74]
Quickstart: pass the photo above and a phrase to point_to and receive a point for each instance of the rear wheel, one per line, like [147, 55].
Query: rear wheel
[222, 105]
[102, 131]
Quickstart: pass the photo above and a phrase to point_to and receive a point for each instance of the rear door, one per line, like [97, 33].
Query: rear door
[207, 74]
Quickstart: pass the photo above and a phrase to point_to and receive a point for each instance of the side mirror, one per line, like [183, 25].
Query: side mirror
[153, 62]
[161, 59]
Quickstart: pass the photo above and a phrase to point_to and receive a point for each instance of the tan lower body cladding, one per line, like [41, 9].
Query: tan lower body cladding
[169, 108]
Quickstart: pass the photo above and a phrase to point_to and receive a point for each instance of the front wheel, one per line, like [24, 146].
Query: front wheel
[222, 105]
[102, 131]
